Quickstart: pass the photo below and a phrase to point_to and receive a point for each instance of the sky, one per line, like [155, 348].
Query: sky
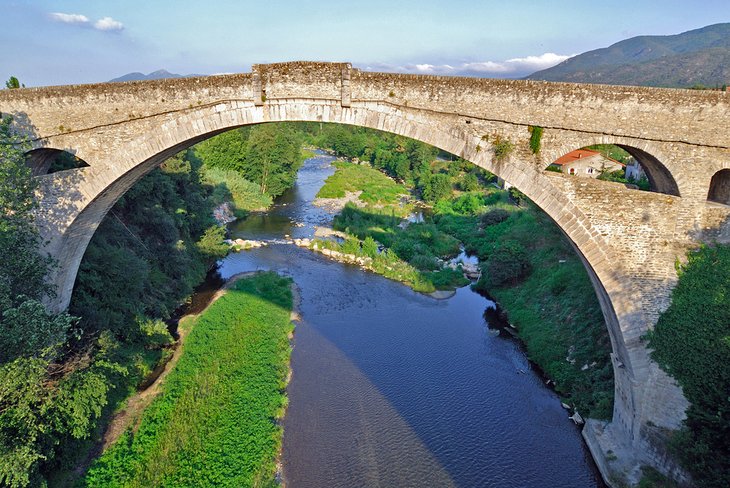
[60, 42]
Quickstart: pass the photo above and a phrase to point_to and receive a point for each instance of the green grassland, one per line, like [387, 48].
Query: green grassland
[377, 188]
[215, 421]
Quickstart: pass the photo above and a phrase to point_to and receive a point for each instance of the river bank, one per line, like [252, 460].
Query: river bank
[208, 399]
[524, 263]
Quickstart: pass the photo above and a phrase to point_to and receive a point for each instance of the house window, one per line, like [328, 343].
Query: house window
[590, 171]
[571, 171]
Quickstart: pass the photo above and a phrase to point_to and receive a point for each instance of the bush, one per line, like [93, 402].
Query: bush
[506, 265]
[370, 247]
[503, 147]
[437, 187]
[495, 216]
[424, 262]
[469, 182]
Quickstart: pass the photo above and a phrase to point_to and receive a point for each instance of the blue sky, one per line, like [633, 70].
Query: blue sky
[82, 41]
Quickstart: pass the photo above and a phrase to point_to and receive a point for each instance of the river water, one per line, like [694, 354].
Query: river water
[391, 388]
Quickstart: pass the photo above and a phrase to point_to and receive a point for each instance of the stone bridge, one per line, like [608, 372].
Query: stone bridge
[629, 240]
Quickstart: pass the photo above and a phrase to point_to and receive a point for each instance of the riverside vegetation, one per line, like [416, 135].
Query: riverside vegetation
[212, 424]
[541, 284]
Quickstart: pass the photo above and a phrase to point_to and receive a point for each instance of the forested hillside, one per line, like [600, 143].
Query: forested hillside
[697, 58]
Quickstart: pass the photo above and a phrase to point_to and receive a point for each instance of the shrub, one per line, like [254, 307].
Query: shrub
[424, 262]
[495, 216]
[437, 187]
[506, 265]
[535, 138]
[370, 247]
[469, 182]
[503, 147]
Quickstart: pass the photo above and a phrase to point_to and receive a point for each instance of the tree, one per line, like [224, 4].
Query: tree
[25, 328]
[30, 338]
[273, 158]
[13, 83]
[437, 187]
[506, 265]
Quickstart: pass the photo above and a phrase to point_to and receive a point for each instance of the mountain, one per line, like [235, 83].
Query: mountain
[696, 57]
[155, 75]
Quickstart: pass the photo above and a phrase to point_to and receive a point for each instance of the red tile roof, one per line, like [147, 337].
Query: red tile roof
[578, 154]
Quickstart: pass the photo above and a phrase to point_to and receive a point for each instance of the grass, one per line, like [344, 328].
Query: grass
[376, 187]
[214, 424]
[230, 185]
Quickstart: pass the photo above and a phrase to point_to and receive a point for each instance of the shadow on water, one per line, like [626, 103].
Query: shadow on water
[392, 388]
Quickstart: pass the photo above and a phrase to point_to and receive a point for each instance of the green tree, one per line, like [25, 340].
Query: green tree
[31, 339]
[437, 187]
[506, 265]
[13, 83]
[25, 327]
[273, 158]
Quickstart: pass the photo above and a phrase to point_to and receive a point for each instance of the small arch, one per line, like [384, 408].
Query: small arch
[621, 161]
[720, 187]
[660, 179]
[47, 160]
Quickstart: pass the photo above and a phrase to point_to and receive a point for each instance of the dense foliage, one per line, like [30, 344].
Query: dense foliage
[41, 402]
[155, 245]
[691, 341]
[214, 423]
[268, 155]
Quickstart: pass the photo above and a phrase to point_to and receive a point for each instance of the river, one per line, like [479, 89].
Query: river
[391, 388]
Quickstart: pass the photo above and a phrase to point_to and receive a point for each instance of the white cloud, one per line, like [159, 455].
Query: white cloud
[69, 18]
[108, 24]
[535, 63]
[514, 67]
[103, 24]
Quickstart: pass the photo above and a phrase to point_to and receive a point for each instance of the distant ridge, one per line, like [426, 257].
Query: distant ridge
[155, 75]
[696, 57]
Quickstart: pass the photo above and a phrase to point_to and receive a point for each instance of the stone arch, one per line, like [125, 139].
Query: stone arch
[112, 175]
[147, 151]
[47, 160]
[656, 164]
[719, 191]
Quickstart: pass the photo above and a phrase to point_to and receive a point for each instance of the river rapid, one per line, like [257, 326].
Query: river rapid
[392, 388]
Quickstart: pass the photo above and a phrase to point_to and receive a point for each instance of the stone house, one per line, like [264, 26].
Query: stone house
[587, 163]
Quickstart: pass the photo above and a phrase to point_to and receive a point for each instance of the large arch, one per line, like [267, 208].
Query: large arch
[152, 148]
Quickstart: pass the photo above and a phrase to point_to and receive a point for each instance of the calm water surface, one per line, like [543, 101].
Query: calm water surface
[391, 388]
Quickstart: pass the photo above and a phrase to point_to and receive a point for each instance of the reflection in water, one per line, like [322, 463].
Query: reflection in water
[392, 388]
